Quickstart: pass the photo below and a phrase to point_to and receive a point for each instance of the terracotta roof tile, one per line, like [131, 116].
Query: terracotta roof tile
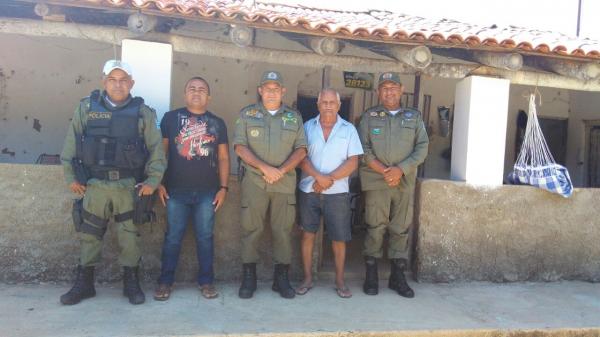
[373, 25]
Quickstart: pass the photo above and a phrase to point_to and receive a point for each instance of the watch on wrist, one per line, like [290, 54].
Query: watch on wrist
[226, 188]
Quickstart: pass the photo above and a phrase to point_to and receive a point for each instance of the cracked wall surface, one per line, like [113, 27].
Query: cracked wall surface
[39, 243]
[506, 234]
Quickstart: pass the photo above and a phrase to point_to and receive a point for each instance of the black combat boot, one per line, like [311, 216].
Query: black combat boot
[131, 286]
[281, 283]
[398, 280]
[371, 285]
[248, 286]
[83, 287]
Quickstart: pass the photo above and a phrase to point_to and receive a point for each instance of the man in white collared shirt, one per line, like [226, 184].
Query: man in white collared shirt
[333, 150]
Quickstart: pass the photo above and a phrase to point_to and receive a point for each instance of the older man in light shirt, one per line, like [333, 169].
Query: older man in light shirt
[333, 150]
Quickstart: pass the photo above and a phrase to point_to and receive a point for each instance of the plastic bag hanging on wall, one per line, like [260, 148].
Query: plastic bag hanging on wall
[535, 165]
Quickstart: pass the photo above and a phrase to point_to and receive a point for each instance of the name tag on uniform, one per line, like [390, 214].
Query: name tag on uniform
[99, 115]
[376, 131]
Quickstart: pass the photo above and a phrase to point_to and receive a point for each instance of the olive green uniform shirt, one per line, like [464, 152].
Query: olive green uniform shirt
[395, 140]
[156, 164]
[272, 138]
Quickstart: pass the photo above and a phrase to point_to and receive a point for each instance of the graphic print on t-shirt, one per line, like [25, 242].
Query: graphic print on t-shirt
[192, 139]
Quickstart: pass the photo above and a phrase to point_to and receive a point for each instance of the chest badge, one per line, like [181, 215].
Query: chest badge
[382, 114]
[376, 131]
[254, 133]
[373, 114]
[408, 114]
[253, 113]
[289, 118]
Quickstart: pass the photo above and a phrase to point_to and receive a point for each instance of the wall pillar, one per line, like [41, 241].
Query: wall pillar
[479, 131]
[151, 63]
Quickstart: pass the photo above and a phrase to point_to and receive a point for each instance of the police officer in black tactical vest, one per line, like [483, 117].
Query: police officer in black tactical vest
[112, 156]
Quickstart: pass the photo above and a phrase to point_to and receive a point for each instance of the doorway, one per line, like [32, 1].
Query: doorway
[307, 105]
[554, 131]
[593, 154]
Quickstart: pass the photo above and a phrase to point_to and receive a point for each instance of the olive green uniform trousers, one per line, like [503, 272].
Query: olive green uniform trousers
[105, 199]
[281, 207]
[387, 210]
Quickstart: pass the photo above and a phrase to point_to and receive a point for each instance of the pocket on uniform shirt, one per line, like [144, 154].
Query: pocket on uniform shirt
[377, 129]
[288, 136]
[377, 136]
[256, 134]
[407, 131]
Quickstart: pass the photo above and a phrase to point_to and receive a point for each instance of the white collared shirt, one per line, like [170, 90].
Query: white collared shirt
[326, 156]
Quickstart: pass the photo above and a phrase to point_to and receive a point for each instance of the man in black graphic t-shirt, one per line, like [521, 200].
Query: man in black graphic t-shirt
[195, 183]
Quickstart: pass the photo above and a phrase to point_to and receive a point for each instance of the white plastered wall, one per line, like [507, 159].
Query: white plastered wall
[46, 89]
[49, 92]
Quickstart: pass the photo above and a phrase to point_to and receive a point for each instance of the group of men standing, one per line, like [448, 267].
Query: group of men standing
[114, 157]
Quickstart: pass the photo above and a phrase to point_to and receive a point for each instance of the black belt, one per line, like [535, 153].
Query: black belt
[113, 174]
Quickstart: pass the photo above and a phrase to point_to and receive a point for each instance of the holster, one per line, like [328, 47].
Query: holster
[81, 173]
[241, 171]
[143, 207]
[77, 214]
[86, 222]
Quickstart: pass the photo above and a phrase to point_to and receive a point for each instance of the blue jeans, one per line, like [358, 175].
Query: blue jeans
[180, 206]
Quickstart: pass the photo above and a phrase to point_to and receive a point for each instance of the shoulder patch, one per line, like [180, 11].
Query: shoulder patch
[410, 113]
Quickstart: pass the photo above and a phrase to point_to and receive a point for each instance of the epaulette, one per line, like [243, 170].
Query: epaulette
[374, 108]
[288, 108]
[85, 103]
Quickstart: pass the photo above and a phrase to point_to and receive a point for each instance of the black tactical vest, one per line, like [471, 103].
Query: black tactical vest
[111, 147]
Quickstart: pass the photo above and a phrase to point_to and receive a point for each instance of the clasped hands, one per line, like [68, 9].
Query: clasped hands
[273, 174]
[392, 175]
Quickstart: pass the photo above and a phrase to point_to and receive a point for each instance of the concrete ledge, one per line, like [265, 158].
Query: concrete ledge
[510, 233]
[39, 243]
[557, 309]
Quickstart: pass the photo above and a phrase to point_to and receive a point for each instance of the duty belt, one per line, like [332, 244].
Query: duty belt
[113, 174]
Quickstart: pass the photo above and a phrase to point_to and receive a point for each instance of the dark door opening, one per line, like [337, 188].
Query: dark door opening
[307, 105]
[594, 157]
[554, 131]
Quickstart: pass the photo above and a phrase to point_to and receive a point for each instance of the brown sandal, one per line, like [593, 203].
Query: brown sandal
[163, 292]
[209, 291]
[302, 290]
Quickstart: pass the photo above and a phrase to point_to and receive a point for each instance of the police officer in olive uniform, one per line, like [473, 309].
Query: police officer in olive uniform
[395, 142]
[111, 146]
[269, 138]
